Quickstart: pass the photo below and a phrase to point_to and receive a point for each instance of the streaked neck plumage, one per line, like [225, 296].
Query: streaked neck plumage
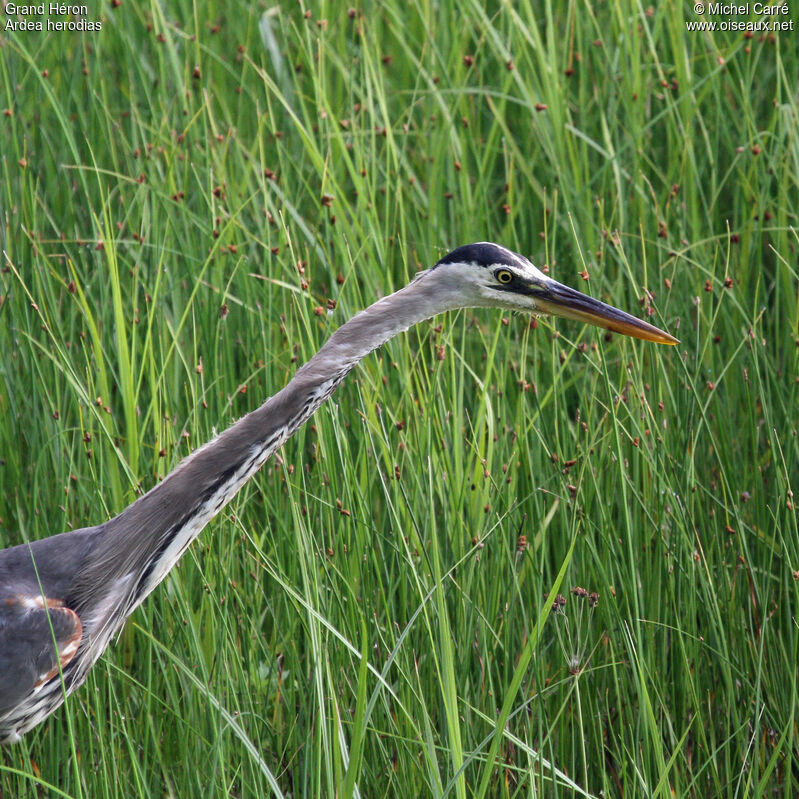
[159, 526]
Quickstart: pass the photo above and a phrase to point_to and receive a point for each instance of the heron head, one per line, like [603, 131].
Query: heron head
[493, 276]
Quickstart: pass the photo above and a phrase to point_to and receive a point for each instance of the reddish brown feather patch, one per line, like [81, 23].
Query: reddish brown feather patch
[67, 628]
[69, 647]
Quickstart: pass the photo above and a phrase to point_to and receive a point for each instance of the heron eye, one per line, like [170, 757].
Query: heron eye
[504, 276]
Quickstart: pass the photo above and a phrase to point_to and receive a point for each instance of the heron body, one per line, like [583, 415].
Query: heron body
[63, 598]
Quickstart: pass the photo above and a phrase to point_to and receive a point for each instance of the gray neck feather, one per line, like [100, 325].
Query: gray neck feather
[159, 526]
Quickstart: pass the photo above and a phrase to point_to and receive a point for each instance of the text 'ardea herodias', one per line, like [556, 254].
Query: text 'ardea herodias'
[64, 597]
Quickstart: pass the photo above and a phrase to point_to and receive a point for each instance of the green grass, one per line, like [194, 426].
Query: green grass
[181, 192]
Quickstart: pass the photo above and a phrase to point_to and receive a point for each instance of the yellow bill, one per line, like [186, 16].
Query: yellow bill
[558, 300]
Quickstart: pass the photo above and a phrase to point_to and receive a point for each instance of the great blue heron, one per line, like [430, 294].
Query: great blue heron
[62, 598]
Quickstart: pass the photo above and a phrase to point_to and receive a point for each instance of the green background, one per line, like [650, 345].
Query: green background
[183, 195]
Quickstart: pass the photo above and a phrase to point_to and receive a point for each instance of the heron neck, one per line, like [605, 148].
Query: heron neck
[370, 329]
[159, 526]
